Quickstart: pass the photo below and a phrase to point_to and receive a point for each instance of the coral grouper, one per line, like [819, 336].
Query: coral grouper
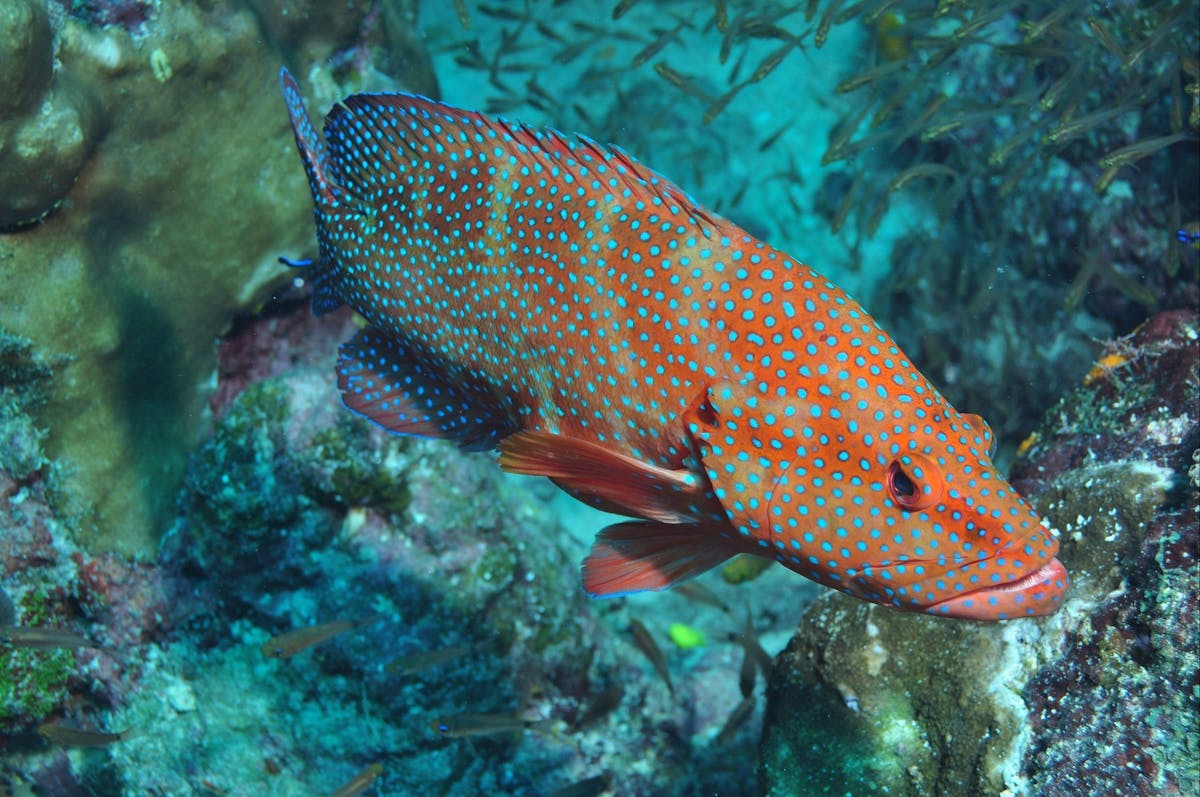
[551, 297]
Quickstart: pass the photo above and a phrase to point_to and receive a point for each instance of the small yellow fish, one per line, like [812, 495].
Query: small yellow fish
[67, 736]
[359, 783]
[685, 636]
[288, 644]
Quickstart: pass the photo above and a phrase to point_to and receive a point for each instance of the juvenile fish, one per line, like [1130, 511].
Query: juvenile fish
[459, 725]
[771, 61]
[747, 674]
[748, 639]
[737, 718]
[644, 641]
[1140, 149]
[601, 706]
[623, 7]
[825, 23]
[656, 46]
[26, 636]
[360, 782]
[1080, 125]
[68, 736]
[416, 662]
[702, 594]
[718, 105]
[290, 643]
[589, 787]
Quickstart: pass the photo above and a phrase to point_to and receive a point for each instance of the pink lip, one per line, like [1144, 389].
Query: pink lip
[1034, 595]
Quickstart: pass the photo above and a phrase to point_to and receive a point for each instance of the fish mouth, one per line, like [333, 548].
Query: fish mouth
[1035, 594]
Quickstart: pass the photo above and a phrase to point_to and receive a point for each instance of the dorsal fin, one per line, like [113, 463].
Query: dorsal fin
[374, 138]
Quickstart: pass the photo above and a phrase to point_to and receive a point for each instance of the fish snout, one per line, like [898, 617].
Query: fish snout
[1033, 595]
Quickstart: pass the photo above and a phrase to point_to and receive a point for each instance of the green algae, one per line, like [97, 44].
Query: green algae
[33, 682]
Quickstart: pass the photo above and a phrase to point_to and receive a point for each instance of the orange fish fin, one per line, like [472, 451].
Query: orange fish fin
[609, 480]
[406, 394]
[644, 555]
[981, 428]
[312, 147]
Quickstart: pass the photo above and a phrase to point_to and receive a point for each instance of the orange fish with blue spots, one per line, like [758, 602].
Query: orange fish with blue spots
[551, 297]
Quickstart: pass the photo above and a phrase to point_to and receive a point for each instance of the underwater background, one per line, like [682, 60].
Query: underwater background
[1012, 189]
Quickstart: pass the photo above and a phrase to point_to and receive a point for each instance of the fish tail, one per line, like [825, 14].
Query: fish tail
[326, 194]
[308, 140]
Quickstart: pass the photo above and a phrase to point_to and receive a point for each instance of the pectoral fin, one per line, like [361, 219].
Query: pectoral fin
[607, 479]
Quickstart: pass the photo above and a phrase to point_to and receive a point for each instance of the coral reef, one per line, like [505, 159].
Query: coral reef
[50, 125]
[295, 513]
[158, 215]
[871, 702]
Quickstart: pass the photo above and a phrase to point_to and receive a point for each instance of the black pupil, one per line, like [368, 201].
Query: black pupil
[901, 484]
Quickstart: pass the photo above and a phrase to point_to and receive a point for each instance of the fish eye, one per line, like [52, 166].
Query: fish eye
[901, 486]
[914, 482]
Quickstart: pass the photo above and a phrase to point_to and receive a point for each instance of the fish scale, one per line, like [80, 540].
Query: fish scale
[553, 298]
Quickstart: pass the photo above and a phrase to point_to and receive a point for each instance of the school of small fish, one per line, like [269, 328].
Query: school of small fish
[550, 297]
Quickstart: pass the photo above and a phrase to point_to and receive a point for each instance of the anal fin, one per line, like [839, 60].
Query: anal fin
[382, 379]
[644, 555]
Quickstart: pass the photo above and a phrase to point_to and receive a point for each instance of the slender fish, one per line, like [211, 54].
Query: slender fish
[26, 636]
[644, 641]
[290, 643]
[457, 726]
[68, 736]
[360, 782]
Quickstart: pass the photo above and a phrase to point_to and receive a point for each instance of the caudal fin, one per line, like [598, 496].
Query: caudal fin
[308, 139]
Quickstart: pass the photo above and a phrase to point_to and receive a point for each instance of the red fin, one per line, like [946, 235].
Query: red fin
[637, 556]
[405, 394]
[609, 480]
